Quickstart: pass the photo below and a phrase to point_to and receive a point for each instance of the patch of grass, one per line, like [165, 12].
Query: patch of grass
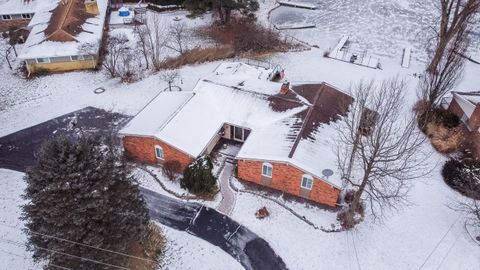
[444, 140]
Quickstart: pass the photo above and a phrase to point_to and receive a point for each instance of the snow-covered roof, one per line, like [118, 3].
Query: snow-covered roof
[161, 109]
[10, 7]
[55, 37]
[292, 127]
[467, 101]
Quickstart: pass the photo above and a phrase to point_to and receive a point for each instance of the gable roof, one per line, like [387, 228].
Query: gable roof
[291, 128]
[66, 21]
[60, 26]
[467, 101]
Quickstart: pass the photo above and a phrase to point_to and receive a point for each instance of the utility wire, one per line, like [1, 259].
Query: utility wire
[24, 257]
[82, 244]
[439, 242]
[63, 253]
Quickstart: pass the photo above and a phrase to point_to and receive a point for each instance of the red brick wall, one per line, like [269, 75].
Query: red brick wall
[474, 121]
[288, 178]
[455, 108]
[143, 148]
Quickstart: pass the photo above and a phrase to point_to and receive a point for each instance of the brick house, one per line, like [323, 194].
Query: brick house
[284, 129]
[16, 13]
[466, 105]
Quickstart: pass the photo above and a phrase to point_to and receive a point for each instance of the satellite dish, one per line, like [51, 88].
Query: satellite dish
[327, 173]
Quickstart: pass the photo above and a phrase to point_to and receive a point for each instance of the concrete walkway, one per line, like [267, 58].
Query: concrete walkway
[227, 203]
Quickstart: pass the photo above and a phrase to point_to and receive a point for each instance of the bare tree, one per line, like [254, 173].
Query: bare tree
[117, 48]
[178, 36]
[448, 71]
[142, 42]
[155, 31]
[455, 19]
[169, 76]
[379, 152]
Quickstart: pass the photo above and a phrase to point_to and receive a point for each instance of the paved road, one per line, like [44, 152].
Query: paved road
[17, 152]
[242, 244]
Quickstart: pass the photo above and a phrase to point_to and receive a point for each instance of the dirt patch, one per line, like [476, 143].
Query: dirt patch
[445, 140]
[150, 250]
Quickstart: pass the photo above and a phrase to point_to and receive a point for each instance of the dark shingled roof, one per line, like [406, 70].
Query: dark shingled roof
[327, 104]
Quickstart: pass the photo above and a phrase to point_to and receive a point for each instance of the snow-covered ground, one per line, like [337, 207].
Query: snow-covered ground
[12, 254]
[187, 252]
[425, 235]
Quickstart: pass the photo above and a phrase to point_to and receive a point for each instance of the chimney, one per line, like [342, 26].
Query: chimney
[91, 7]
[285, 88]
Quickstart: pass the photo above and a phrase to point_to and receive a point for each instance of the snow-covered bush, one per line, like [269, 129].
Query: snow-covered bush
[198, 176]
[463, 176]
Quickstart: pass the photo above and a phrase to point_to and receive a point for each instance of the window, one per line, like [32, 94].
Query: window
[26, 16]
[464, 118]
[307, 181]
[76, 57]
[267, 169]
[6, 17]
[43, 60]
[158, 152]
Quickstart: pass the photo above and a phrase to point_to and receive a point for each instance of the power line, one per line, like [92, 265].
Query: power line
[25, 257]
[356, 253]
[63, 253]
[82, 244]
[439, 242]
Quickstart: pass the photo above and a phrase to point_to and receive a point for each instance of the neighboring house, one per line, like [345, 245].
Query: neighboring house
[59, 29]
[466, 105]
[285, 131]
[16, 13]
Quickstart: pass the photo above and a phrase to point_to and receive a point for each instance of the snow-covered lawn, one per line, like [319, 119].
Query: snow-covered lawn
[426, 233]
[12, 254]
[187, 252]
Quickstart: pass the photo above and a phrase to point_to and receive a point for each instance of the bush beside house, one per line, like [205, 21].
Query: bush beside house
[198, 176]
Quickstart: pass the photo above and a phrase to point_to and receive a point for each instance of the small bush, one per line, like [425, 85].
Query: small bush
[198, 176]
[326, 53]
[463, 176]
[171, 168]
[245, 36]
[439, 116]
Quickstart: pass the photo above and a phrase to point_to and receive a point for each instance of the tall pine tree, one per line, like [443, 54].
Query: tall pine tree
[80, 190]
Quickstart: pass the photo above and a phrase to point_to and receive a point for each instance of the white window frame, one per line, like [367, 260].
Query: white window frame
[268, 166]
[308, 180]
[158, 147]
[464, 118]
[7, 17]
[79, 58]
[47, 60]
